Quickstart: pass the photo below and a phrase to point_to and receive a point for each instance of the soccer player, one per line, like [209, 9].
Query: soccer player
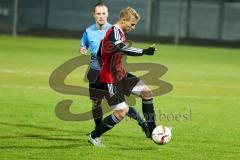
[91, 41]
[116, 80]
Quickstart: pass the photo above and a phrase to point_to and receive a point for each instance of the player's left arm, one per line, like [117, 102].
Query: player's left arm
[132, 51]
[119, 45]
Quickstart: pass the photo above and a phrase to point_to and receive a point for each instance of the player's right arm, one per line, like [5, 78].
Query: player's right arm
[84, 44]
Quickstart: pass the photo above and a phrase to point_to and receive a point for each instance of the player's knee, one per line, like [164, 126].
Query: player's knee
[146, 93]
[121, 110]
[120, 114]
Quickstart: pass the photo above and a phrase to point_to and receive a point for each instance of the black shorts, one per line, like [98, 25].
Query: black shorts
[92, 75]
[113, 92]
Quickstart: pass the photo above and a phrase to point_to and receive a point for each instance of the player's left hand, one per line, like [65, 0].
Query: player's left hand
[150, 50]
[153, 46]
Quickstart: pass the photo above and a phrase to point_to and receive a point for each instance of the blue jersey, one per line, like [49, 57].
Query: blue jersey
[91, 40]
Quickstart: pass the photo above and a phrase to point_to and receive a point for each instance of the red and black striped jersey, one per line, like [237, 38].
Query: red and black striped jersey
[113, 47]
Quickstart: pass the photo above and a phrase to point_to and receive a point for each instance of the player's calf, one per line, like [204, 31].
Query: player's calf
[97, 112]
[110, 121]
[148, 107]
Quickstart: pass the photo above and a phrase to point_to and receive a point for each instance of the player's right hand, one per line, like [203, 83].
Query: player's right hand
[83, 51]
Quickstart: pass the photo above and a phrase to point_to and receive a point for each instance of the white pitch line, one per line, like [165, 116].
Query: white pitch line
[42, 73]
[174, 96]
[28, 72]
[25, 87]
[24, 72]
[209, 73]
[48, 73]
[207, 85]
[204, 97]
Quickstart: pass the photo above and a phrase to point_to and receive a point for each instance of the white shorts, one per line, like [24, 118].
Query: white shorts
[138, 88]
[120, 106]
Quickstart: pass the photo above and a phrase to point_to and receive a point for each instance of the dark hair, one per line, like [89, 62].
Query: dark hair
[98, 4]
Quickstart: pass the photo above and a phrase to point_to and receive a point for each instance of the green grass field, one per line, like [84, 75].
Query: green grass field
[205, 80]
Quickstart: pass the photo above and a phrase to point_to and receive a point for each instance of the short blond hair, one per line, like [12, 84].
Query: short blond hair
[128, 12]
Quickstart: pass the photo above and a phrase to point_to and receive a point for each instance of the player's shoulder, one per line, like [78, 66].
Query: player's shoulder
[109, 29]
[91, 28]
[116, 29]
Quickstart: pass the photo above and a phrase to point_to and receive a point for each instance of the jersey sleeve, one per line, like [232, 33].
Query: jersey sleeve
[115, 39]
[84, 41]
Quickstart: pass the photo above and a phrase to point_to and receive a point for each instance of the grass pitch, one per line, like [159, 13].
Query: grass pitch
[206, 99]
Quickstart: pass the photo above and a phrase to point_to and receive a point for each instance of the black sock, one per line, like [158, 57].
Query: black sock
[132, 113]
[97, 113]
[149, 114]
[107, 123]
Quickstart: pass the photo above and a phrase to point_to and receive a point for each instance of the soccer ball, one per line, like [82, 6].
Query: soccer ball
[161, 134]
